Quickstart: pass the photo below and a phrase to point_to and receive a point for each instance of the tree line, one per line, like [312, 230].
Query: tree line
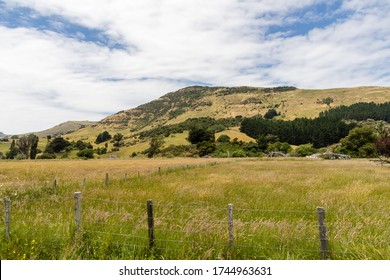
[329, 128]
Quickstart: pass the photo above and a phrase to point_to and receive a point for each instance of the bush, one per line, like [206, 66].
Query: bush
[103, 137]
[271, 113]
[198, 135]
[304, 150]
[46, 156]
[223, 138]
[239, 153]
[101, 151]
[216, 128]
[86, 153]
[57, 145]
[206, 148]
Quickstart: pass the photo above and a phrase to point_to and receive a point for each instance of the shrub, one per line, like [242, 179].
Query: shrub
[216, 128]
[206, 148]
[86, 153]
[223, 138]
[271, 113]
[198, 135]
[46, 156]
[239, 153]
[304, 150]
[102, 137]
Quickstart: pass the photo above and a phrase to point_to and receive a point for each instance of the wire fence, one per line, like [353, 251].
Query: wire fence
[102, 228]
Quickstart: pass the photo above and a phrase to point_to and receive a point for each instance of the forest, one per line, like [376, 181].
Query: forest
[329, 128]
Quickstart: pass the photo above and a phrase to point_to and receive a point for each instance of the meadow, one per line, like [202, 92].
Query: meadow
[274, 204]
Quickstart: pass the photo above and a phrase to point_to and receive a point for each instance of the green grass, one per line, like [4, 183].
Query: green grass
[274, 209]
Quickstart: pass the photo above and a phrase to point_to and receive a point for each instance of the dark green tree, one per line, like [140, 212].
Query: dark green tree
[223, 138]
[118, 138]
[103, 137]
[304, 150]
[13, 151]
[359, 142]
[156, 144]
[270, 114]
[206, 148]
[198, 135]
[23, 145]
[86, 153]
[34, 145]
[57, 145]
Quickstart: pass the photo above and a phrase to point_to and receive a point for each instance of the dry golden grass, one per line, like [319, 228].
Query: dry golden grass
[274, 203]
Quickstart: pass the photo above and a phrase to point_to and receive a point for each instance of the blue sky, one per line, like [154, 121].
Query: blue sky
[83, 60]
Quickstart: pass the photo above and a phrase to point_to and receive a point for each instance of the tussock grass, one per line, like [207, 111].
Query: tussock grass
[274, 207]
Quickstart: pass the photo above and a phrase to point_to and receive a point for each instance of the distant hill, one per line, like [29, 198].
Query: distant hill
[2, 135]
[64, 128]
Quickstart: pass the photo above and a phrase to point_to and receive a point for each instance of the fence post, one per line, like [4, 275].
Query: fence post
[7, 213]
[230, 226]
[106, 180]
[77, 211]
[324, 248]
[159, 171]
[150, 223]
[55, 186]
[85, 183]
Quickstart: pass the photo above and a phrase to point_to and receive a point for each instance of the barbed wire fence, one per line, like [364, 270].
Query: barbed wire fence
[104, 228]
[196, 231]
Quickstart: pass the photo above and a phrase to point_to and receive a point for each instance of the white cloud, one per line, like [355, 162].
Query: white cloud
[174, 43]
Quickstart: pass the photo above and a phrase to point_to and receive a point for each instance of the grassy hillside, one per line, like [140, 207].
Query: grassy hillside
[64, 128]
[224, 102]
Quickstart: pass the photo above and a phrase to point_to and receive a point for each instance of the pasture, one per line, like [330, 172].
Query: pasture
[273, 214]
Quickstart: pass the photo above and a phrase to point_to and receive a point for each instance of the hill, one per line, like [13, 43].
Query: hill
[2, 135]
[64, 128]
[225, 102]
[178, 107]
[174, 113]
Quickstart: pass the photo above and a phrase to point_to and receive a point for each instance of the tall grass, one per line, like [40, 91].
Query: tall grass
[274, 206]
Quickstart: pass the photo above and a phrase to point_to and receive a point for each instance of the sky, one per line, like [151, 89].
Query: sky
[87, 59]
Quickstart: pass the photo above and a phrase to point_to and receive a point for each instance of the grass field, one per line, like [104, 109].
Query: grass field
[274, 209]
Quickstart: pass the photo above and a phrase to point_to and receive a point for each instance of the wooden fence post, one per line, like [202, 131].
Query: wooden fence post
[85, 183]
[55, 186]
[77, 211]
[106, 180]
[324, 248]
[230, 226]
[159, 171]
[7, 213]
[150, 223]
